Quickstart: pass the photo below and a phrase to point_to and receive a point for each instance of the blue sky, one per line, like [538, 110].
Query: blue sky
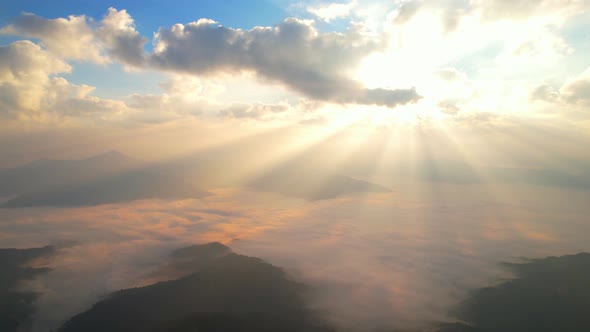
[151, 14]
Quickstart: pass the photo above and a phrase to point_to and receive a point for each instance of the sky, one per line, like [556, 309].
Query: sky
[74, 65]
[395, 149]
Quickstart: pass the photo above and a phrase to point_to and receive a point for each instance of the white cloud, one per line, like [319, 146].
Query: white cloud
[29, 88]
[70, 37]
[525, 9]
[24, 76]
[186, 95]
[78, 38]
[331, 11]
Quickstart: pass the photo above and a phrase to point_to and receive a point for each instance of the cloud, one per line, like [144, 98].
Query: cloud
[70, 37]
[257, 111]
[453, 11]
[450, 106]
[122, 41]
[523, 9]
[406, 11]
[24, 76]
[574, 92]
[30, 89]
[293, 53]
[450, 75]
[577, 91]
[328, 12]
[544, 92]
[79, 38]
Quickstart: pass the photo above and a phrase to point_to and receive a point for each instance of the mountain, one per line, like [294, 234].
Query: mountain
[550, 294]
[145, 183]
[16, 306]
[113, 178]
[224, 292]
[107, 178]
[44, 174]
[312, 186]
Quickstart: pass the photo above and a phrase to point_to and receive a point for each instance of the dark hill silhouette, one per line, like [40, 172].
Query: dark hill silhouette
[228, 292]
[550, 294]
[16, 307]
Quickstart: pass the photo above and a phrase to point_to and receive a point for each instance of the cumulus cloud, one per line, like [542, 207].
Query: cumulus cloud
[123, 42]
[70, 37]
[293, 53]
[24, 75]
[30, 89]
[80, 38]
